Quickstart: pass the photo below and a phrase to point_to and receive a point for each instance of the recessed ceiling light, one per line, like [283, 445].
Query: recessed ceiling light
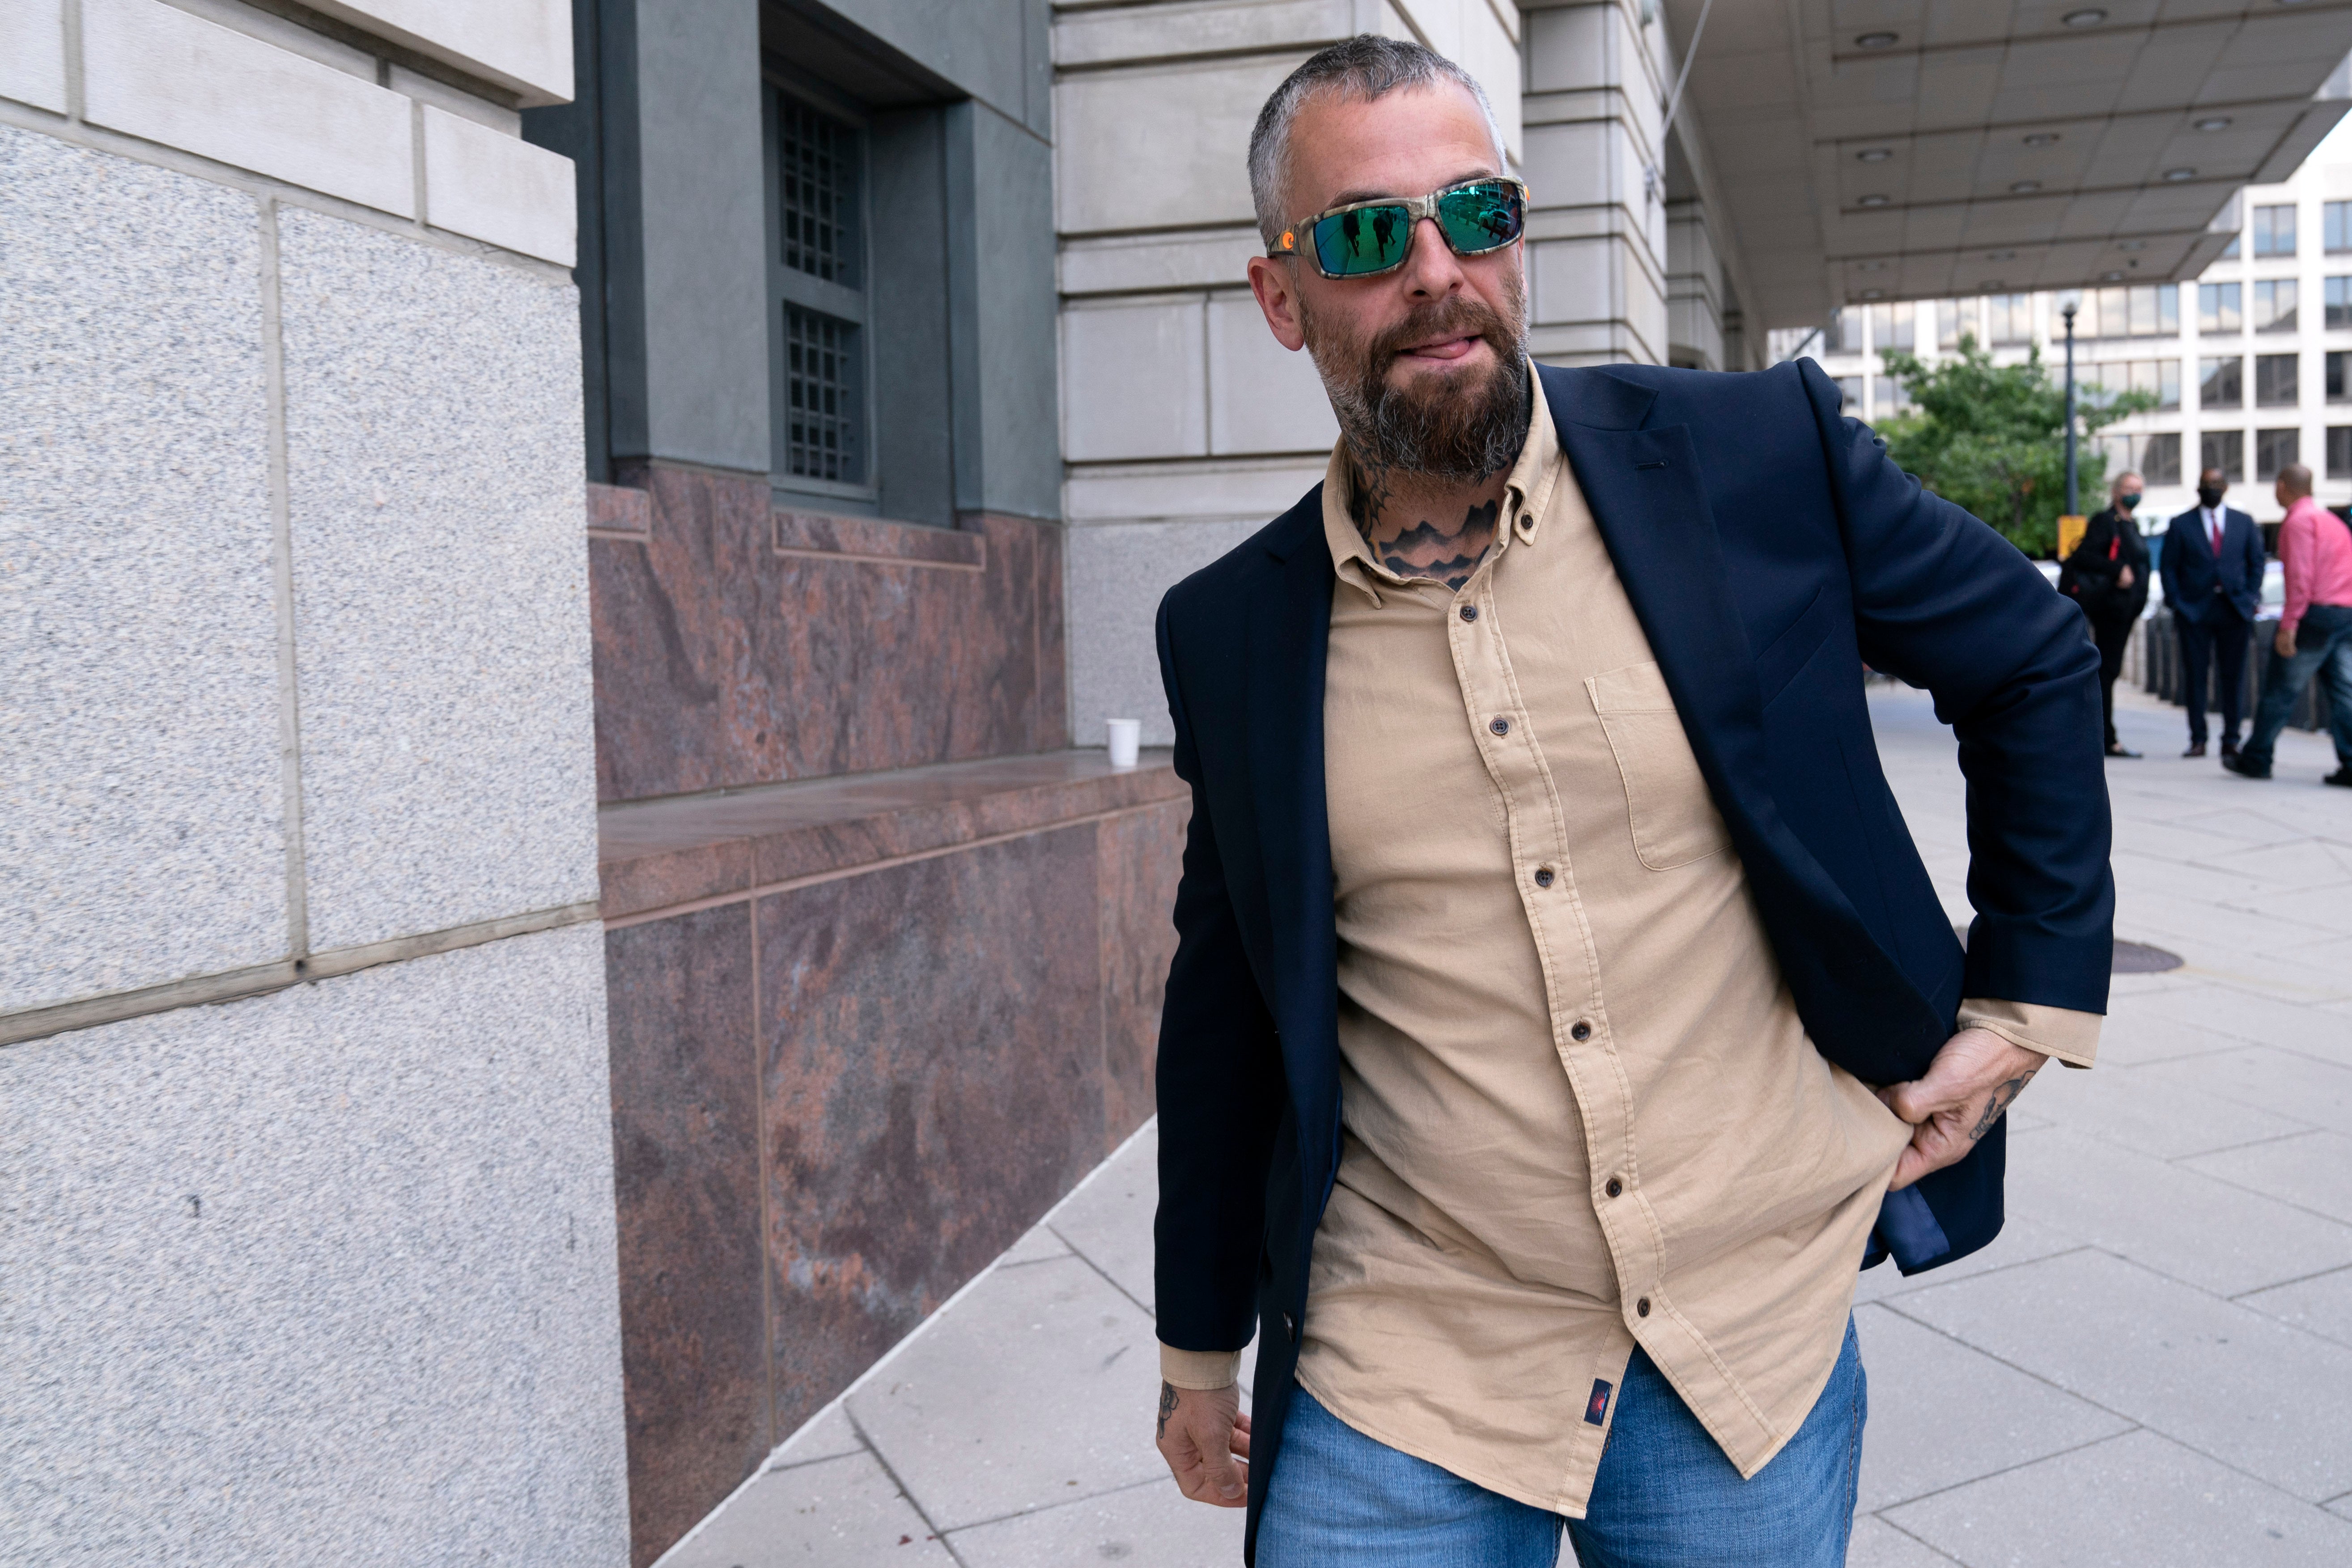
[2089, 16]
[2024, 188]
[2215, 123]
[2131, 245]
[2177, 175]
[2111, 277]
[1874, 200]
[2042, 139]
[1874, 154]
[1879, 40]
[1874, 293]
[2000, 255]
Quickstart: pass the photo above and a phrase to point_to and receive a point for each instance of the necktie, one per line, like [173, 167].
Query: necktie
[2213, 533]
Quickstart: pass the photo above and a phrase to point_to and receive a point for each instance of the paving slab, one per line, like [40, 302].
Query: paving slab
[1878, 1544]
[2249, 1391]
[2134, 1501]
[2022, 1240]
[1037, 1389]
[838, 1513]
[2167, 1118]
[2304, 1088]
[2191, 1226]
[827, 1435]
[1941, 1413]
[2313, 1170]
[1037, 1246]
[1108, 1220]
[2322, 1305]
[1149, 1526]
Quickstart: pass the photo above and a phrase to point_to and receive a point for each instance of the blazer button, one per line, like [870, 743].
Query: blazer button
[1615, 1187]
[1543, 876]
[1500, 726]
[1469, 611]
[1642, 1307]
[1582, 1031]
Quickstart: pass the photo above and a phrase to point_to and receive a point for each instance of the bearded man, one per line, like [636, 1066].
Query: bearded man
[1561, 1015]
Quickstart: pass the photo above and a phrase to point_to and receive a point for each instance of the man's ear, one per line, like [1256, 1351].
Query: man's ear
[1276, 284]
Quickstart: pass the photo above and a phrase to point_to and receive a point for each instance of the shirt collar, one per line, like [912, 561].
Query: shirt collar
[1527, 494]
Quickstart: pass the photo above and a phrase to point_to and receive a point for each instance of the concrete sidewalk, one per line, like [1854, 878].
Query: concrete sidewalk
[2153, 1365]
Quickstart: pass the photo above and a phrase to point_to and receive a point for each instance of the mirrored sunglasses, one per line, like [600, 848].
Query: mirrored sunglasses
[1364, 240]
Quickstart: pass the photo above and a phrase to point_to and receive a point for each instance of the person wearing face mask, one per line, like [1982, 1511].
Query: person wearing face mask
[2211, 564]
[2106, 576]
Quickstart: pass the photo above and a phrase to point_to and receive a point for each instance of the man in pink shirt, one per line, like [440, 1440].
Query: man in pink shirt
[2315, 631]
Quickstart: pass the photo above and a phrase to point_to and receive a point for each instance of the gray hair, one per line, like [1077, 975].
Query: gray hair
[2116, 485]
[1365, 67]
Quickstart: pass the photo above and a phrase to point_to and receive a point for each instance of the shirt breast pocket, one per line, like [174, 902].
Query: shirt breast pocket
[1672, 816]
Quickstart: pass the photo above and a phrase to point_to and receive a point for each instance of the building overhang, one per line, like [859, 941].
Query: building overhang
[1918, 148]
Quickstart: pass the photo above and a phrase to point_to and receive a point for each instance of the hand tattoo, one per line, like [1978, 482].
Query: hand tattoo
[1167, 1406]
[2002, 1095]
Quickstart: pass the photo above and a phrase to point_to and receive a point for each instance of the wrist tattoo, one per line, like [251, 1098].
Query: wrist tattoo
[1998, 1102]
[1167, 1406]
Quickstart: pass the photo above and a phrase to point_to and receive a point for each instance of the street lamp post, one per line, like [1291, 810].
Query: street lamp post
[2067, 309]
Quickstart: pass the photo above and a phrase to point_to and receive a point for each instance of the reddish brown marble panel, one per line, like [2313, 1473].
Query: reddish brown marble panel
[1140, 855]
[1052, 647]
[722, 662]
[619, 509]
[685, 1139]
[934, 1083]
[818, 533]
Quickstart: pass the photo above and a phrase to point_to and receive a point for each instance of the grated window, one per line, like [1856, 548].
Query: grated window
[821, 396]
[817, 158]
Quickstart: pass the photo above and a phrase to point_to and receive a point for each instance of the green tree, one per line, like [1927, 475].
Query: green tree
[1992, 438]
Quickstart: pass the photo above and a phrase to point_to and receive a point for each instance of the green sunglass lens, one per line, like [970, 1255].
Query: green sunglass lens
[1478, 218]
[1364, 240]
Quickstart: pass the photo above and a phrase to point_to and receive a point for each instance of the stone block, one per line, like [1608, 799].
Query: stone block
[433, 449]
[142, 796]
[1166, 147]
[2322, 1306]
[940, 1420]
[837, 1513]
[325, 1276]
[686, 1147]
[1262, 398]
[2155, 1501]
[523, 45]
[157, 72]
[1118, 574]
[2312, 1172]
[499, 188]
[933, 1083]
[1135, 380]
[1140, 854]
[33, 53]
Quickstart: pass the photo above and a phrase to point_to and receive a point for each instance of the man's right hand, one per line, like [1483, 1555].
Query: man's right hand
[1205, 1439]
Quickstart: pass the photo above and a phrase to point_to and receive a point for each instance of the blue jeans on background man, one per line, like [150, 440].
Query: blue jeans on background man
[2323, 645]
[1665, 1496]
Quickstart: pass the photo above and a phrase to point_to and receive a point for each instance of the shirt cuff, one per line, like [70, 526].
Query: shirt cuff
[2073, 1037]
[1200, 1369]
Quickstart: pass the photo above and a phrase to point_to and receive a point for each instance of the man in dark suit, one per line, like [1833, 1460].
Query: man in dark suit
[2211, 564]
[2107, 576]
[1560, 1014]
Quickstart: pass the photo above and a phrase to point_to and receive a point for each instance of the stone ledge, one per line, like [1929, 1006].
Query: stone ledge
[618, 509]
[668, 855]
[877, 540]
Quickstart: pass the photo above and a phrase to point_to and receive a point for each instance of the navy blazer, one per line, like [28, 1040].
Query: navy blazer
[2195, 584]
[1769, 549]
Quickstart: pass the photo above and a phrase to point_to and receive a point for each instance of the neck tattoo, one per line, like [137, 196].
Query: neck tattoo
[1421, 549]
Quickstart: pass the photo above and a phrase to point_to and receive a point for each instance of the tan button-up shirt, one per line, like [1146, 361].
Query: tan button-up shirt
[1580, 1110]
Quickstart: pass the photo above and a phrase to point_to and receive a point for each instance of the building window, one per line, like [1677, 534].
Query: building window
[2217, 308]
[2159, 458]
[2160, 377]
[2221, 383]
[2147, 310]
[1843, 333]
[2274, 306]
[2339, 447]
[1890, 327]
[2337, 297]
[2009, 319]
[1850, 392]
[2336, 232]
[1890, 397]
[2339, 377]
[819, 287]
[2225, 450]
[1954, 320]
[2275, 230]
[2274, 380]
[2274, 449]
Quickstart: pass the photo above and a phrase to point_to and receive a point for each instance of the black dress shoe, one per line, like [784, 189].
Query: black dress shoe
[2242, 768]
[2341, 777]
[2228, 750]
[2196, 749]
[2117, 749]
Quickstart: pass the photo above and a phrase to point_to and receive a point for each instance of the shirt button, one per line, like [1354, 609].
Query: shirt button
[1500, 726]
[1583, 1031]
[1543, 876]
[1615, 1187]
[1642, 1307]
[1469, 611]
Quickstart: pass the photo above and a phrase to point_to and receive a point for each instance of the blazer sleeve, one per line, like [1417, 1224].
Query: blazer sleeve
[1220, 1084]
[1945, 603]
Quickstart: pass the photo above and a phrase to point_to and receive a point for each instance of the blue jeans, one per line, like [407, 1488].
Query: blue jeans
[1665, 1496]
[2322, 644]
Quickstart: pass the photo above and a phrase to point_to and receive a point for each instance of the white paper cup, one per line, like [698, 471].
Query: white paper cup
[1126, 736]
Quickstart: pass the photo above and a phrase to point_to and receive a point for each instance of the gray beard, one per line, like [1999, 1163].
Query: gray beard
[1465, 439]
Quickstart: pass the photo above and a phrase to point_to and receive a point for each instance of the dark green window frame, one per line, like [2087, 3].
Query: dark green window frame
[821, 401]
